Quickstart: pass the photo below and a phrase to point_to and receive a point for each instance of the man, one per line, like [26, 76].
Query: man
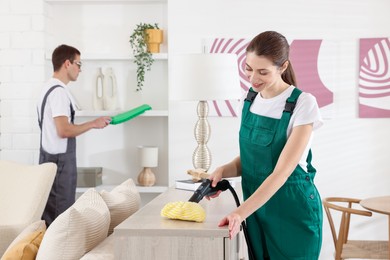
[58, 131]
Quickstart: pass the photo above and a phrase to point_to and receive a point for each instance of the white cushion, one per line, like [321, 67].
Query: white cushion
[77, 230]
[122, 202]
[24, 190]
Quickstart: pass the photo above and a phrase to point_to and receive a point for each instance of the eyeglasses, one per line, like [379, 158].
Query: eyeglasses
[78, 63]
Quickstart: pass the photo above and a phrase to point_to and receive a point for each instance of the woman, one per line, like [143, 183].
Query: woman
[282, 207]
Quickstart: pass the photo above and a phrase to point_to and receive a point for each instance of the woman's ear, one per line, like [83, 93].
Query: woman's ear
[284, 67]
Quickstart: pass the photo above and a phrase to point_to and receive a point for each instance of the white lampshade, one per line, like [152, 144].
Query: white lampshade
[148, 156]
[204, 77]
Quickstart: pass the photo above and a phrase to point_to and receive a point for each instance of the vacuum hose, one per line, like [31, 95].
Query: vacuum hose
[205, 189]
[243, 225]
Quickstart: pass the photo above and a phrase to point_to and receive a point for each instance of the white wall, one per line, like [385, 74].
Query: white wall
[350, 154]
[21, 75]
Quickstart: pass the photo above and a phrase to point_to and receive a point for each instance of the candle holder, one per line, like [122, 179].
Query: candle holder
[148, 156]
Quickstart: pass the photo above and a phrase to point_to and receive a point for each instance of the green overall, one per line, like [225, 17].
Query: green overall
[289, 224]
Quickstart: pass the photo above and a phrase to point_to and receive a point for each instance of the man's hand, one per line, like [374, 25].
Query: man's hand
[101, 122]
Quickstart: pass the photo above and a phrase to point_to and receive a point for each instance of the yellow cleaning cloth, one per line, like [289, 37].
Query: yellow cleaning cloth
[189, 211]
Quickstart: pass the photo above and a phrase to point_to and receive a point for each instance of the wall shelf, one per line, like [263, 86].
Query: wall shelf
[105, 1]
[97, 113]
[152, 189]
[141, 189]
[112, 57]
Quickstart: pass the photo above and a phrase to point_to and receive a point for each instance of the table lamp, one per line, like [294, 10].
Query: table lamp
[203, 77]
[148, 156]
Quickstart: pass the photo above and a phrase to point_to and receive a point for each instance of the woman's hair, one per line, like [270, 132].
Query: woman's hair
[275, 47]
[63, 53]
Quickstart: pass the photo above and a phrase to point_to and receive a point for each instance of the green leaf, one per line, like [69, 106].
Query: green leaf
[142, 57]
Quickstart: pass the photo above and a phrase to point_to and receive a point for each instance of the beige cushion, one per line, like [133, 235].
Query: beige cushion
[26, 244]
[24, 190]
[122, 202]
[77, 230]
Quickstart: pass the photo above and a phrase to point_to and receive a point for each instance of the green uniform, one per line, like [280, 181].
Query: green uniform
[289, 225]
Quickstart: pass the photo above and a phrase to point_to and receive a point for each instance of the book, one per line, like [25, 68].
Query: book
[187, 184]
[192, 186]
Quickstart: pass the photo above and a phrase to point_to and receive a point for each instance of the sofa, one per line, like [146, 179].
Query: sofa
[24, 190]
[84, 231]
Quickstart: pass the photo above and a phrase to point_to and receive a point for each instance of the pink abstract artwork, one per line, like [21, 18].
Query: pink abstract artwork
[374, 78]
[303, 56]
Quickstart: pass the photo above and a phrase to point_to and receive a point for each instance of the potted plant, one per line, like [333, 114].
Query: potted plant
[143, 58]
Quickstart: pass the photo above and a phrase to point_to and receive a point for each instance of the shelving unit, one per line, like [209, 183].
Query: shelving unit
[105, 1]
[97, 113]
[113, 57]
[104, 43]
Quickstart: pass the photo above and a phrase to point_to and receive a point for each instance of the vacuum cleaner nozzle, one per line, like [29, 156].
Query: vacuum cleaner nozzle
[205, 189]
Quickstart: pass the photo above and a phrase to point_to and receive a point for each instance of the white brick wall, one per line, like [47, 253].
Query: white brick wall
[22, 73]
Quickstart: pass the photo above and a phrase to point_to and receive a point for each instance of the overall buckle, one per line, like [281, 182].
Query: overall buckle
[289, 107]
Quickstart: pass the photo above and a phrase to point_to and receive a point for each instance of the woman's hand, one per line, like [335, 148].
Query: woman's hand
[215, 177]
[233, 221]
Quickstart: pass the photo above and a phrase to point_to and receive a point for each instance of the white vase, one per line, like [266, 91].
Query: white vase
[98, 93]
[110, 95]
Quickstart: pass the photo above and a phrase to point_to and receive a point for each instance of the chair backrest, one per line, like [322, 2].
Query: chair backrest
[345, 206]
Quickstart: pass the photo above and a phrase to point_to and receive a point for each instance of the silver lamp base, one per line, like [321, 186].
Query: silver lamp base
[201, 158]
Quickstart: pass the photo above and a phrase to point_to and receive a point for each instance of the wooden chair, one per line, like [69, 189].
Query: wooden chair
[367, 249]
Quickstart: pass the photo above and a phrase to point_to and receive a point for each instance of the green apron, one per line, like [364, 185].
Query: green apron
[289, 225]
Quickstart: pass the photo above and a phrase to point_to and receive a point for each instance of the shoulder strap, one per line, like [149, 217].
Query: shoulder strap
[44, 104]
[287, 112]
[289, 108]
[251, 96]
[292, 101]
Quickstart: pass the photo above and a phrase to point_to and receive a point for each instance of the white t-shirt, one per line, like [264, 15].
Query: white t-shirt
[57, 104]
[305, 112]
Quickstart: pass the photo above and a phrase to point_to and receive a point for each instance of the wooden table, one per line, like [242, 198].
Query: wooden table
[147, 235]
[379, 205]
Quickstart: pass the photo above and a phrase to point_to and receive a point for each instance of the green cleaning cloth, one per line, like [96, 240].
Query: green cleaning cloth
[126, 116]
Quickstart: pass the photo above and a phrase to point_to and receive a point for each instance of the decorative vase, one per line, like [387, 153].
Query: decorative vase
[105, 96]
[110, 90]
[98, 103]
[155, 38]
